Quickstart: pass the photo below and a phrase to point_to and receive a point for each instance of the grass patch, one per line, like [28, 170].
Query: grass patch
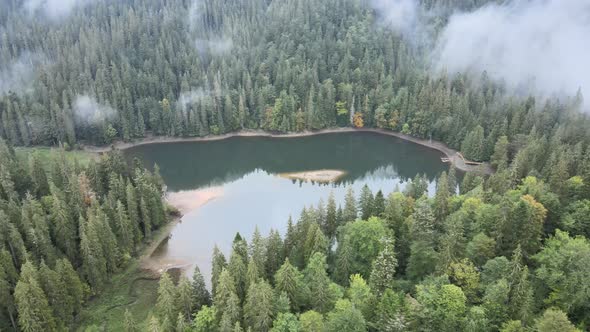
[47, 154]
[132, 289]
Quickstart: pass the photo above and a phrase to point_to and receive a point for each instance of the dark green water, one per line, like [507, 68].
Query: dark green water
[252, 195]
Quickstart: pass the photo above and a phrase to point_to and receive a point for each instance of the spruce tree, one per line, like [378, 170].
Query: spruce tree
[200, 296]
[184, 299]
[331, 224]
[274, 254]
[34, 313]
[384, 268]
[129, 322]
[366, 202]
[259, 306]
[379, 204]
[316, 278]
[289, 280]
[166, 304]
[350, 212]
[218, 263]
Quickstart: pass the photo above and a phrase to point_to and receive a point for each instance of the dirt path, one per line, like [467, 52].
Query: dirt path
[449, 152]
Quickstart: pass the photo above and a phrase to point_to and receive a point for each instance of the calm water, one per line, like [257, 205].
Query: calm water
[243, 170]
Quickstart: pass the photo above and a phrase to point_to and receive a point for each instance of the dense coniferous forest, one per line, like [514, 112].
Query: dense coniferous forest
[507, 252]
[126, 69]
[64, 230]
[480, 259]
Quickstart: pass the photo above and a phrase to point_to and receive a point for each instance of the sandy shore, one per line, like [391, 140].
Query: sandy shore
[450, 153]
[322, 175]
[188, 200]
[185, 202]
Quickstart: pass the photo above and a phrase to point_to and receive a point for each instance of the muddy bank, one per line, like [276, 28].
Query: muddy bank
[321, 176]
[185, 202]
[450, 153]
[188, 200]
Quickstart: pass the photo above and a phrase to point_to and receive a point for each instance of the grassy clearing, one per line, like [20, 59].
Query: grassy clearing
[47, 154]
[132, 289]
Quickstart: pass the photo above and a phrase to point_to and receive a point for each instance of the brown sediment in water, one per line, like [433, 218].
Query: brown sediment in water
[185, 201]
[322, 175]
[188, 200]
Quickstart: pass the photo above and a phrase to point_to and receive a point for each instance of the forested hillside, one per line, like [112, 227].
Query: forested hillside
[509, 252]
[65, 230]
[124, 69]
[483, 259]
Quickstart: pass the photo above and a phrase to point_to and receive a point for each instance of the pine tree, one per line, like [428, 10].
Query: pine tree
[274, 254]
[441, 198]
[218, 263]
[181, 324]
[145, 218]
[253, 275]
[258, 308]
[350, 212]
[225, 298]
[124, 229]
[316, 278]
[184, 299]
[129, 322]
[132, 211]
[366, 202]
[379, 204]
[38, 175]
[331, 224]
[60, 301]
[7, 305]
[200, 296]
[239, 271]
[154, 325]
[500, 157]
[258, 250]
[289, 280]
[384, 268]
[93, 261]
[65, 231]
[231, 315]
[166, 305]
[34, 313]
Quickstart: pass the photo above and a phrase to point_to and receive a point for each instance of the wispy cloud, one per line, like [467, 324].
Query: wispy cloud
[542, 42]
[18, 75]
[88, 111]
[53, 9]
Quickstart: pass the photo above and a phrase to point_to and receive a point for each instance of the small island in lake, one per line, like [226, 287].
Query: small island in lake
[322, 175]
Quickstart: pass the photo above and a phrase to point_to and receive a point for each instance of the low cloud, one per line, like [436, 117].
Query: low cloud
[214, 46]
[53, 9]
[399, 15]
[88, 111]
[191, 97]
[538, 45]
[18, 76]
[535, 46]
[208, 42]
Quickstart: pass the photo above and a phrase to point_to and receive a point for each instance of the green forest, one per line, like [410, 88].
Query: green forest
[507, 251]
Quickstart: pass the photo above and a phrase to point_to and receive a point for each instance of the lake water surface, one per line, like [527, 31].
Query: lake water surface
[241, 175]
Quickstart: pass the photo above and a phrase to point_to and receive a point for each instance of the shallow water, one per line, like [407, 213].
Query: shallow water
[243, 172]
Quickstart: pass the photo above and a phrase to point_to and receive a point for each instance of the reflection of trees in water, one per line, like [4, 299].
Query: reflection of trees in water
[361, 155]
